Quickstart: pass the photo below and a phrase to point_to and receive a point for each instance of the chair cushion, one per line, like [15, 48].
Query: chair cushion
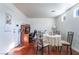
[65, 42]
[45, 43]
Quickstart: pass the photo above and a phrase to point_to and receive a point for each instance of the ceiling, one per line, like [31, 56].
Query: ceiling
[43, 10]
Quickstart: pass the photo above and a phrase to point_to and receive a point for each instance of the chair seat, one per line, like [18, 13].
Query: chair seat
[45, 44]
[65, 42]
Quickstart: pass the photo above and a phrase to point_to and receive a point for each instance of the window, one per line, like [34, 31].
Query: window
[63, 18]
[76, 12]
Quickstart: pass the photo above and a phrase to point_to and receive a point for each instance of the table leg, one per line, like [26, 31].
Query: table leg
[49, 49]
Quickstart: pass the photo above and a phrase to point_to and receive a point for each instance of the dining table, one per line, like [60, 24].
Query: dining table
[52, 40]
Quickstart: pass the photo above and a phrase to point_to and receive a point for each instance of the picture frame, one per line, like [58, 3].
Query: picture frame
[8, 18]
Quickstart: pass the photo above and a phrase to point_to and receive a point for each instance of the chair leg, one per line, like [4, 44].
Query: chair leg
[42, 51]
[70, 50]
[67, 50]
[48, 49]
[60, 49]
[37, 50]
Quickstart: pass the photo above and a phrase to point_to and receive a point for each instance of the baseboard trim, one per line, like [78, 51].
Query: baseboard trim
[9, 51]
[75, 49]
[6, 53]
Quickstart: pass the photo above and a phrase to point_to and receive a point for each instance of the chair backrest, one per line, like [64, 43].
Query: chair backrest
[34, 33]
[39, 44]
[70, 37]
[57, 32]
[39, 34]
[39, 41]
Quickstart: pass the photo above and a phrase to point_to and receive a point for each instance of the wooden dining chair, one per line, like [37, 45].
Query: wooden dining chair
[41, 43]
[46, 43]
[68, 43]
[39, 46]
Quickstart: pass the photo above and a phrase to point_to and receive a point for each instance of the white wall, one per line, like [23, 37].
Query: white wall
[10, 39]
[41, 24]
[69, 24]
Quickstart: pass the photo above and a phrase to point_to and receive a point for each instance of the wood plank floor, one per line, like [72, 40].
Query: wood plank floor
[29, 49]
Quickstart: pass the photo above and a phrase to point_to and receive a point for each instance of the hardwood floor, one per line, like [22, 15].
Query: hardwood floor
[29, 49]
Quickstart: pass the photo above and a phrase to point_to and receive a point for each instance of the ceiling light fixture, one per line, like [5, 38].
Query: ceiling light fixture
[53, 11]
